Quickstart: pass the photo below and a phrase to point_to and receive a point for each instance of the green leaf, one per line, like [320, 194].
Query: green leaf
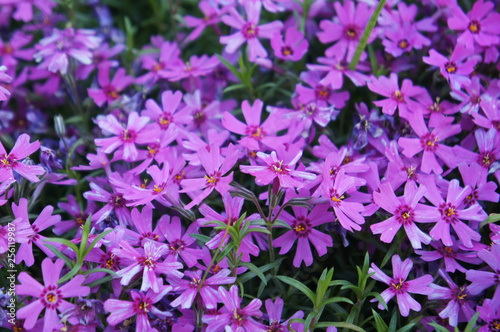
[366, 35]
[335, 300]
[379, 298]
[256, 230]
[85, 236]
[300, 286]
[472, 323]
[258, 222]
[71, 273]
[200, 237]
[108, 271]
[307, 323]
[255, 270]
[394, 321]
[410, 325]
[67, 243]
[281, 223]
[266, 86]
[340, 283]
[234, 87]
[339, 324]
[389, 254]
[380, 325]
[323, 284]
[250, 275]
[226, 251]
[438, 327]
[94, 242]
[229, 66]
[100, 281]
[494, 217]
[60, 255]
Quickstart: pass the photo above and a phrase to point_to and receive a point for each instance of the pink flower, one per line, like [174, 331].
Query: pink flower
[250, 31]
[109, 92]
[12, 162]
[293, 48]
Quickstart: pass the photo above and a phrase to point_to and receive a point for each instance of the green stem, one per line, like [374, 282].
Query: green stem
[366, 34]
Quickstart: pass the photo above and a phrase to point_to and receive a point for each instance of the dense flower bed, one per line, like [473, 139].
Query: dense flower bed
[249, 165]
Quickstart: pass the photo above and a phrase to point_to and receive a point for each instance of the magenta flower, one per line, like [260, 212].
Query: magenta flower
[275, 311]
[430, 143]
[396, 98]
[24, 8]
[459, 300]
[406, 211]
[345, 29]
[208, 292]
[336, 69]
[292, 48]
[450, 255]
[141, 306]
[347, 211]
[453, 212]
[278, 165]
[27, 233]
[303, 231]
[399, 287]
[321, 93]
[168, 114]
[169, 57]
[55, 49]
[457, 68]
[211, 12]
[12, 162]
[4, 78]
[12, 50]
[250, 31]
[147, 261]
[490, 315]
[482, 280]
[232, 315]
[196, 66]
[49, 296]
[109, 91]
[114, 201]
[79, 217]
[137, 131]
[480, 25]
[215, 166]
[180, 245]
[254, 131]
[100, 55]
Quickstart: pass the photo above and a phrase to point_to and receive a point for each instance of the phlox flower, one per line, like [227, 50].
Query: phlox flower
[215, 166]
[490, 315]
[347, 211]
[27, 233]
[400, 287]
[195, 143]
[140, 306]
[180, 245]
[406, 211]
[345, 29]
[233, 316]
[397, 98]
[109, 91]
[196, 66]
[12, 162]
[100, 55]
[79, 217]
[202, 114]
[167, 115]
[457, 68]
[114, 202]
[274, 313]
[482, 280]
[481, 190]
[249, 30]
[142, 222]
[207, 290]
[279, 165]
[55, 49]
[303, 231]
[450, 255]
[336, 68]
[292, 48]
[12, 50]
[254, 131]
[24, 8]
[169, 57]
[321, 93]
[4, 78]
[459, 300]
[136, 131]
[148, 262]
[481, 25]
[473, 98]
[211, 16]
[50, 296]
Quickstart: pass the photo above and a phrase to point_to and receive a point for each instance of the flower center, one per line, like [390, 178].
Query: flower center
[199, 117]
[450, 67]
[494, 325]
[351, 32]
[286, 50]
[157, 67]
[250, 30]
[486, 159]
[118, 201]
[398, 96]
[429, 142]
[128, 135]
[111, 92]
[255, 131]
[164, 120]
[275, 327]
[7, 161]
[474, 26]
[323, 92]
[144, 306]
[448, 212]
[177, 246]
[398, 285]
[403, 43]
[238, 317]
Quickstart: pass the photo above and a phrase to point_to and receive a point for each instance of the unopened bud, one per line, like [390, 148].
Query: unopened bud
[59, 126]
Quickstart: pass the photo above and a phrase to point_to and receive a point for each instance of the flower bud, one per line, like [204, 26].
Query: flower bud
[59, 126]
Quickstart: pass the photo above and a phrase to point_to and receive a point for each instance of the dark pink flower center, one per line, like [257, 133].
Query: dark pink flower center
[278, 168]
[199, 117]
[398, 96]
[7, 161]
[286, 50]
[238, 318]
[461, 294]
[403, 44]
[302, 226]
[429, 142]
[323, 92]
[404, 214]
[255, 132]
[164, 120]
[471, 199]
[117, 201]
[448, 212]
[275, 327]
[212, 179]
[149, 235]
[177, 246]
[128, 135]
[250, 30]
[399, 286]
[474, 26]
[335, 198]
[111, 92]
[351, 32]
[143, 307]
[450, 67]
[486, 159]
[148, 261]
[494, 325]
[51, 297]
[110, 261]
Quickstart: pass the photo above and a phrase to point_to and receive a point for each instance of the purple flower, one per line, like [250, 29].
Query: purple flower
[12, 162]
[180, 245]
[55, 49]
[274, 312]
[169, 57]
[215, 166]
[400, 287]
[281, 166]
[406, 211]
[109, 91]
[232, 315]
[49, 296]
[249, 30]
[168, 114]
[208, 293]
[320, 93]
[457, 68]
[4, 78]
[141, 306]
[345, 29]
[480, 25]
[449, 255]
[79, 217]
[137, 131]
[482, 280]
[196, 66]
[336, 69]
[459, 300]
[211, 12]
[11, 51]
[292, 48]
[490, 315]
[303, 231]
